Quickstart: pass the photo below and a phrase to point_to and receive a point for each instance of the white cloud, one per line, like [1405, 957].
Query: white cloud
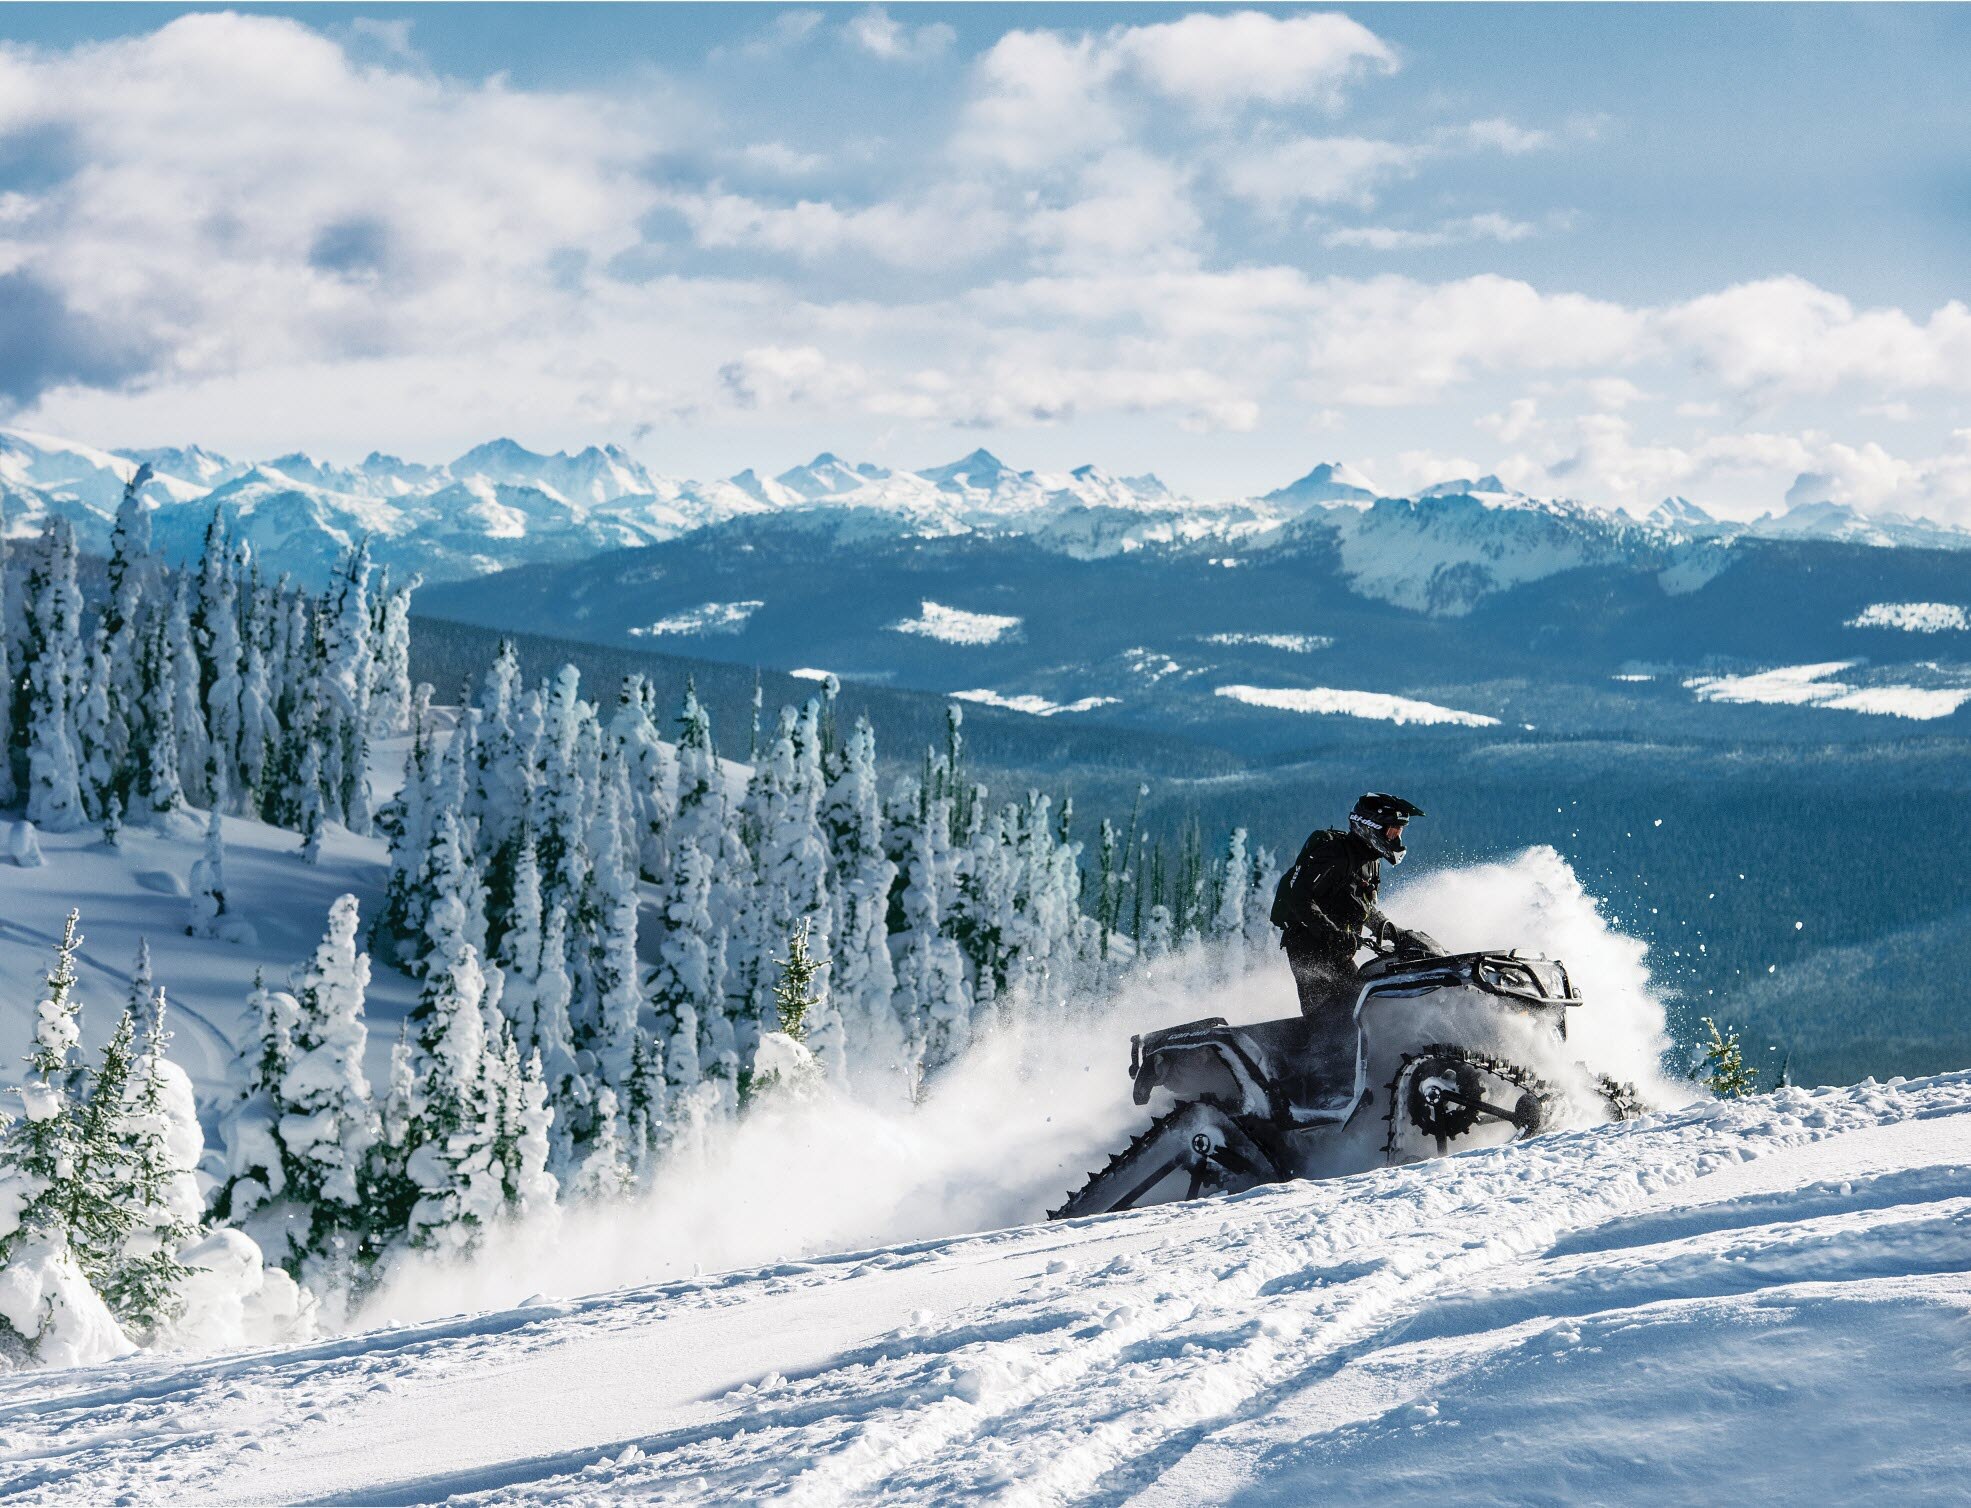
[1040, 97]
[1316, 170]
[1514, 422]
[1486, 227]
[1214, 59]
[1503, 136]
[1043, 96]
[288, 204]
[1784, 334]
[1130, 208]
[952, 224]
[881, 35]
[777, 157]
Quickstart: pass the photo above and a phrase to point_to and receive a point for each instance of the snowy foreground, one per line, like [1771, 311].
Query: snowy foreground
[1745, 1301]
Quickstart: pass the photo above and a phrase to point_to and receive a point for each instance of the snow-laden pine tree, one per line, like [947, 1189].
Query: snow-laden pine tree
[687, 984]
[1260, 885]
[135, 578]
[187, 696]
[328, 1121]
[55, 668]
[259, 729]
[60, 1215]
[863, 977]
[652, 775]
[208, 882]
[1232, 882]
[452, 1123]
[605, 1172]
[256, 1184]
[617, 977]
[159, 790]
[501, 791]
[158, 1148]
[522, 1144]
[390, 690]
[399, 927]
[571, 1088]
[311, 803]
[792, 875]
[518, 953]
[565, 799]
[348, 676]
[93, 741]
[933, 1003]
[216, 638]
[703, 816]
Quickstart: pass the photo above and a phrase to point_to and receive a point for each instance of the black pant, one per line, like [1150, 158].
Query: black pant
[1326, 983]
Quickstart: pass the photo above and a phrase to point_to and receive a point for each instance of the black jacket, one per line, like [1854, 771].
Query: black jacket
[1327, 899]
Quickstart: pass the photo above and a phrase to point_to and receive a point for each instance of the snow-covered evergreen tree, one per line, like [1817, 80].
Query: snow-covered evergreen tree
[54, 676]
[159, 790]
[327, 1119]
[453, 1118]
[187, 696]
[158, 1145]
[605, 1172]
[208, 882]
[348, 676]
[863, 977]
[613, 968]
[390, 691]
[652, 775]
[256, 1162]
[933, 1004]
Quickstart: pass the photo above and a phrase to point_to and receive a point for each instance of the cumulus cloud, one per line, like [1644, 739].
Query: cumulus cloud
[881, 35]
[1316, 170]
[1043, 96]
[1486, 227]
[1214, 59]
[250, 194]
[1784, 334]
[947, 225]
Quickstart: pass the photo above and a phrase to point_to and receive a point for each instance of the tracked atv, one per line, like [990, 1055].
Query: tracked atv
[1432, 1059]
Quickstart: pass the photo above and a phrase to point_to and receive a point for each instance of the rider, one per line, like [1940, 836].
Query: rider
[1327, 901]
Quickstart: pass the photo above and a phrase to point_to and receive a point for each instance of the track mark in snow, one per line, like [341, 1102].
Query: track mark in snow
[1169, 1355]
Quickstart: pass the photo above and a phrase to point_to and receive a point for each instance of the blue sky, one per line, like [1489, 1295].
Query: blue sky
[1605, 251]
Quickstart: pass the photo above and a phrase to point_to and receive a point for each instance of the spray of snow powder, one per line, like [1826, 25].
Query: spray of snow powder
[1007, 1131]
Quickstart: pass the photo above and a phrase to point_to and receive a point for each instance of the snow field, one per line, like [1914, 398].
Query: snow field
[1912, 617]
[707, 618]
[1813, 686]
[1375, 705]
[1033, 704]
[1766, 1291]
[954, 625]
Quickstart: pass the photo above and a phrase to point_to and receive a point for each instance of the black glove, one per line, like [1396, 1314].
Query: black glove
[1408, 943]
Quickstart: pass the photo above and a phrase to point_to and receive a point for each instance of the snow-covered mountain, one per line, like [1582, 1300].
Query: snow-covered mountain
[1679, 513]
[1330, 482]
[500, 505]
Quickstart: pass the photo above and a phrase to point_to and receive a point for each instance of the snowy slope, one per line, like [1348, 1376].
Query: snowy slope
[1769, 1294]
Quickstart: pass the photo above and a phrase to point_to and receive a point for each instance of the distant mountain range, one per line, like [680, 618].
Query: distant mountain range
[501, 505]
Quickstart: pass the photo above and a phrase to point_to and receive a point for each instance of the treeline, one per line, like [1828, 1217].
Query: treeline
[209, 686]
[601, 910]
[601, 918]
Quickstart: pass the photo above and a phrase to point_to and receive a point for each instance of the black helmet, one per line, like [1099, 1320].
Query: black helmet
[1378, 821]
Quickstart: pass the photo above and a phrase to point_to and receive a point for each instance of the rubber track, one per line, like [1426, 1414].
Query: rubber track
[1512, 1073]
[1119, 1160]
